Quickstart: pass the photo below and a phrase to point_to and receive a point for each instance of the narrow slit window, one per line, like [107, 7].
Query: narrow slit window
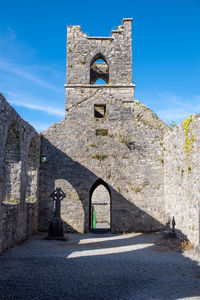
[99, 111]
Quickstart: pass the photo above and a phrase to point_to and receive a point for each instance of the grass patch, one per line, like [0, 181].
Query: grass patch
[11, 201]
[99, 156]
[125, 140]
[101, 132]
[108, 174]
[30, 200]
[137, 189]
[186, 245]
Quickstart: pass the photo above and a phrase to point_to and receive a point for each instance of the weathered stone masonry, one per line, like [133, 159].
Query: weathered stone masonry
[108, 143]
[19, 164]
[106, 136]
[182, 177]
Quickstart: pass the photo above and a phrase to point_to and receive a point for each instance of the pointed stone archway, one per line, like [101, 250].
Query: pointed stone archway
[100, 207]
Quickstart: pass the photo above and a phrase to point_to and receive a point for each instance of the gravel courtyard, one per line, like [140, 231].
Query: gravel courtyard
[103, 266]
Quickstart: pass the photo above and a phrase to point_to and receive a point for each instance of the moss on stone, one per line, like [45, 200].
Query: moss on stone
[137, 189]
[102, 132]
[99, 156]
[189, 139]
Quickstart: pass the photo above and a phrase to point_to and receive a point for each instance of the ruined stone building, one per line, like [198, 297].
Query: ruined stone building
[104, 140]
[111, 154]
[19, 165]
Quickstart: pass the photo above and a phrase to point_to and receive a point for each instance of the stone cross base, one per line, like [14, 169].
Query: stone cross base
[169, 234]
[56, 230]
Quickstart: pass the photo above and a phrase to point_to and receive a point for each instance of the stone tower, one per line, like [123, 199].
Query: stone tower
[83, 69]
[120, 166]
[107, 153]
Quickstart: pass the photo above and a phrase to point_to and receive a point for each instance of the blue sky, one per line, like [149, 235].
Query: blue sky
[166, 53]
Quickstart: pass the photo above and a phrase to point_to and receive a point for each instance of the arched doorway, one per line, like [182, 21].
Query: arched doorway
[100, 207]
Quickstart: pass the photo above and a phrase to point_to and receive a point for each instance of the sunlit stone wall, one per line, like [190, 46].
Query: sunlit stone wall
[18, 176]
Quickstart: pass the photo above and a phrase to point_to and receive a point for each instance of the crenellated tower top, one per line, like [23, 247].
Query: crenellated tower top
[90, 58]
[115, 51]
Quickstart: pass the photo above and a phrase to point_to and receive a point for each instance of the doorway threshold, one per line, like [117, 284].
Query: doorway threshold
[100, 230]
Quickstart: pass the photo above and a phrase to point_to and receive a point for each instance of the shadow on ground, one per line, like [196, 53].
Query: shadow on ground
[104, 266]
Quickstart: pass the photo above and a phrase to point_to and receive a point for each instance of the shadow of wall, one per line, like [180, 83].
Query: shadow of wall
[135, 266]
[60, 168]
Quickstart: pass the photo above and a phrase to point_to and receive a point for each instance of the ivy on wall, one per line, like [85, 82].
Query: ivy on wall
[189, 139]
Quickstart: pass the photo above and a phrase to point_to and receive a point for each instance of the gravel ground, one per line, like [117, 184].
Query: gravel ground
[103, 266]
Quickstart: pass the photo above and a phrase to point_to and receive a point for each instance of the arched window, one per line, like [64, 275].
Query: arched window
[100, 206]
[12, 165]
[31, 173]
[100, 81]
[99, 70]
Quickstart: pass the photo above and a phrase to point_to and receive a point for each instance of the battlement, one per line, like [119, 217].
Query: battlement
[84, 51]
[76, 29]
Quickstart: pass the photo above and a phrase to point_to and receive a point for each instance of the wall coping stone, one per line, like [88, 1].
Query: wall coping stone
[127, 20]
[99, 38]
[100, 85]
[10, 204]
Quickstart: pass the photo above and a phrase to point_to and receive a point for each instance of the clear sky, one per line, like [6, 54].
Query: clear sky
[166, 53]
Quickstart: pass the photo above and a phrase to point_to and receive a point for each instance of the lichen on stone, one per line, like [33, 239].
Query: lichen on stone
[189, 139]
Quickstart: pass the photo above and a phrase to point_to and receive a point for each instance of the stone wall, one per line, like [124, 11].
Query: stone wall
[19, 164]
[83, 50]
[107, 137]
[182, 177]
[110, 149]
[124, 149]
[17, 225]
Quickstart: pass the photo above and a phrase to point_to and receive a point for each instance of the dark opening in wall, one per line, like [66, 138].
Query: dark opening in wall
[99, 69]
[99, 110]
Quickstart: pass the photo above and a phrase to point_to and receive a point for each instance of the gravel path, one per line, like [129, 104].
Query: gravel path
[103, 266]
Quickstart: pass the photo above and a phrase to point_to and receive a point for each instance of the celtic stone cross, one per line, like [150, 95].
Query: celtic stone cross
[56, 223]
[58, 195]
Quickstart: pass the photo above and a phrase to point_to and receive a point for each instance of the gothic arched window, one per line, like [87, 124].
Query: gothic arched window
[99, 69]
